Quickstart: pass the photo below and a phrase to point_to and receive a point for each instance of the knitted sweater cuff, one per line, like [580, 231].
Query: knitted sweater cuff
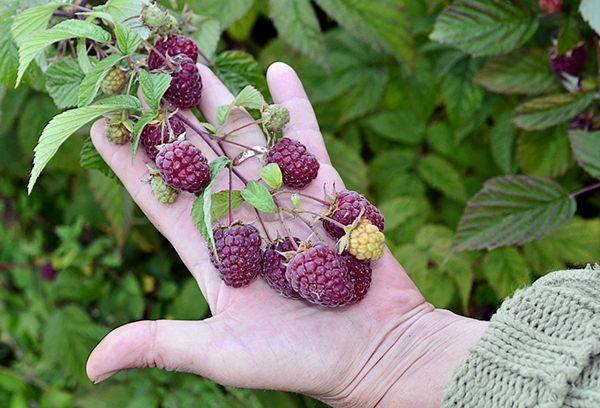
[542, 348]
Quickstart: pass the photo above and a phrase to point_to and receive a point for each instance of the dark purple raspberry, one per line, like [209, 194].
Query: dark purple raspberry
[183, 166]
[174, 45]
[360, 273]
[298, 166]
[155, 135]
[238, 249]
[47, 272]
[572, 62]
[274, 266]
[320, 275]
[185, 89]
[346, 208]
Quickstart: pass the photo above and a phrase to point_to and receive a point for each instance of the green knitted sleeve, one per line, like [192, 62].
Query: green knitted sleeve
[542, 348]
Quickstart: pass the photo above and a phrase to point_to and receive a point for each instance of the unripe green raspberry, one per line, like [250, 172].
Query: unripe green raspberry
[275, 117]
[366, 242]
[152, 16]
[119, 128]
[169, 27]
[164, 193]
[114, 81]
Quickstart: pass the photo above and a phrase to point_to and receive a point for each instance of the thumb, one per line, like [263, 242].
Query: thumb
[166, 344]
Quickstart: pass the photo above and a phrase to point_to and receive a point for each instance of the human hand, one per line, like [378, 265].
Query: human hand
[390, 349]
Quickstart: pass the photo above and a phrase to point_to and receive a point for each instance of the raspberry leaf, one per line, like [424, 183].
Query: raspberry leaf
[441, 175]
[91, 83]
[139, 126]
[546, 111]
[513, 210]
[249, 97]
[9, 53]
[37, 41]
[259, 197]
[63, 79]
[504, 266]
[220, 202]
[33, 19]
[485, 27]
[123, 11]
[207, 35]
[127, 39]
[524, 72]
[568, 37]
[91, 159]
[236, 69]
[226, 11]
[65, 124]
[153, 87]
[202, 207]
[271, 174]
[586, 149]
[590, 11]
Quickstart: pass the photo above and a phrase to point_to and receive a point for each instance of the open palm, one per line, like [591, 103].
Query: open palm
[390, 348]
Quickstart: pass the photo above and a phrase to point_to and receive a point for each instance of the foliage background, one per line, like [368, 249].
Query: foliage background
[406, 124]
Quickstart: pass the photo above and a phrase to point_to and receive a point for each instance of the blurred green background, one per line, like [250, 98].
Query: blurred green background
[404, 124]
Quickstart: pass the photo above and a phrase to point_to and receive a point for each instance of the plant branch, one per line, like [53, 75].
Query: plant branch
[584, 190]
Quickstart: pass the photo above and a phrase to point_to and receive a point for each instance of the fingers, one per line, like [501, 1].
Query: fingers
[287, 90]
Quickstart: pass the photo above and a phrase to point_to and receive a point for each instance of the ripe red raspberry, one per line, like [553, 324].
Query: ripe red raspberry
[320, 275]
[172, 46]
[551, 6]
[238, 249]
[183, 166]
[346, 207]
[274, 266]
[572, 62]
[186, 85]
[156, 134]
[298, 166]
[360, 274]
[114, 81]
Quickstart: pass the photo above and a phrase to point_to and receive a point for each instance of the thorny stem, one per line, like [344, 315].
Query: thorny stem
[254, 122]
[230, 194]
[208, 61]
[584, 190]
[317, 199]
[70, 41]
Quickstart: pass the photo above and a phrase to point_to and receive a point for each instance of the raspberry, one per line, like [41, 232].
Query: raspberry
[171, 47]
[274, 266]
[238, 249]
[320, 275]
[114, 81]
[298, 166]
[275, 117]
[360, 273]
[346, 207]
[572, 62]
[152, 16]
[551, 6]
[47, 272]
[365, 241]
[164, 193]
[165, 131]
[118, 130]
[183, 166]
[186, 85]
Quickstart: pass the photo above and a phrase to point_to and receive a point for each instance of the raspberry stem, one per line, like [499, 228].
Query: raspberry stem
[254, 122]
[160, 54]
[317, 199]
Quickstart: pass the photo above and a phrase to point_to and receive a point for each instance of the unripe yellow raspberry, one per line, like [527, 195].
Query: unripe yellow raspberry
[366, 241]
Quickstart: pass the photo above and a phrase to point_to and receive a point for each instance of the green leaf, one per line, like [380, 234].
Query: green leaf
[153, 87]
[65, 124]
[9, 53]
[123, 10]
[505, 270]
[91, 83]
[37, 41]
[220, 202]
[401, 126]
[271, 174]
[462, 97]
[546, 111]
[127, 39]
[226, 11]
[237, 69]
[82, 57]
[502, 139]
[201, 209]
[441, 175]
[249, 97]
[297, 23]
[349, 164]
[545, 153]
[139, 126]
[513, 210]
[590, 11]
[116, 203]
[382, 23]
[69, 335]
[259, 197]
[525, 71]
[459, 267]
[62, 81]
[207, 35]
[398, 210]
[568, 37]
[485, 27]
[586, 149]
[91, 159]
[189, 303]
[33, 19]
